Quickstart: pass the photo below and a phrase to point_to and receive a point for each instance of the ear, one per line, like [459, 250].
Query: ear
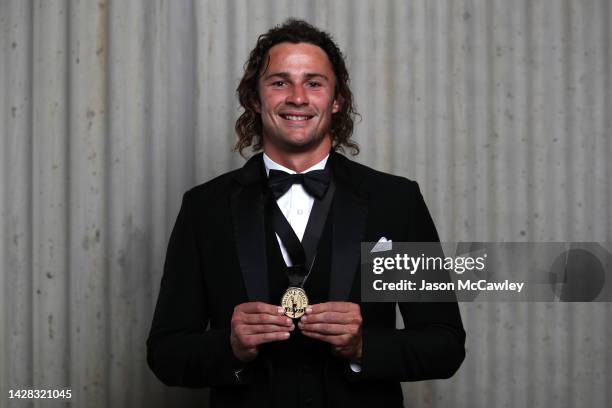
[257, 106]
[337, 105]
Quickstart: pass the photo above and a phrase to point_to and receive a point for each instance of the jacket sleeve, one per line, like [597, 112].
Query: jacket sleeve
[181, 350]
[431, 346]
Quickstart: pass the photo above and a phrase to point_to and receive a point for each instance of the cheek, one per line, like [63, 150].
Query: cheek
[323, 103]
[270, 102]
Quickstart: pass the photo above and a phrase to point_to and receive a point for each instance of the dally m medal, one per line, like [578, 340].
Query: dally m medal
[294, 302]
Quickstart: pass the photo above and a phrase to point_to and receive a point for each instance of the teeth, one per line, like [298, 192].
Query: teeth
[293, 117]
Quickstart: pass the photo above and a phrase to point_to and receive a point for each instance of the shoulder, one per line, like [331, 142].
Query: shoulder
[371, 181]
[215, 189]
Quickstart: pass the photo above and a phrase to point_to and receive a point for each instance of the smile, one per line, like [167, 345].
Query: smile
[295, 117]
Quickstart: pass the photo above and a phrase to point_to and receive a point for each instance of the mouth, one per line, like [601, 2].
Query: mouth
[296, 117]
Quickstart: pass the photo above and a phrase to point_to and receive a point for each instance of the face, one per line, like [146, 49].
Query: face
[296, 95]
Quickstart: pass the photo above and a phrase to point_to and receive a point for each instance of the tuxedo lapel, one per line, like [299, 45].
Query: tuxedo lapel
[349, 218]
[247, 204]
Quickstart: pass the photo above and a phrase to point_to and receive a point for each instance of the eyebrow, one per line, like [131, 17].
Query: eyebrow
[286, 75]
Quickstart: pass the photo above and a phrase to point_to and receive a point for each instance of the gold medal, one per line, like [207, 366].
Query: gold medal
[294, 302]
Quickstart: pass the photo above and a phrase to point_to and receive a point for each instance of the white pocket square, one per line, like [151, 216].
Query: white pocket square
[383, 244]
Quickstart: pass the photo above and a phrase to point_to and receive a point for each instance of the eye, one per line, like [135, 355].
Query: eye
[278, 83]
[314, 84]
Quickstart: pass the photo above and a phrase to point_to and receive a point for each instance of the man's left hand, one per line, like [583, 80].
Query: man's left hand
[338, 323]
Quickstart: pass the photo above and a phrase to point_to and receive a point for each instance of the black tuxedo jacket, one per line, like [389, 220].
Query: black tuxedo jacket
[216, 260]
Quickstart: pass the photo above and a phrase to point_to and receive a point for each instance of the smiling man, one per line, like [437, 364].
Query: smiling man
[260, 297]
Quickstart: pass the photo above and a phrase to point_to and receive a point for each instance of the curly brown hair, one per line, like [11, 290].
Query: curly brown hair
[249, 125]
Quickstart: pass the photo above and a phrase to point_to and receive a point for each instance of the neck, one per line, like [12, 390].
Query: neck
[298, 161]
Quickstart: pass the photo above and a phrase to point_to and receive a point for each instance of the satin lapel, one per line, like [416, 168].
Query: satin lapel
[248, 215]
[349, 219]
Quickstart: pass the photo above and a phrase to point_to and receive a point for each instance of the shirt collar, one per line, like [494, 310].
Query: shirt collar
[272, 165]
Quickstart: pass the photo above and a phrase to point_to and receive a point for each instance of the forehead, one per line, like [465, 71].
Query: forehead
[298, 57]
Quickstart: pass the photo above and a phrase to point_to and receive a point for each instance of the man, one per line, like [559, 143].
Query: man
[272, 233]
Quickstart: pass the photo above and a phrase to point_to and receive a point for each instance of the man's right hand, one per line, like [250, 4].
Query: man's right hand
[255, 323]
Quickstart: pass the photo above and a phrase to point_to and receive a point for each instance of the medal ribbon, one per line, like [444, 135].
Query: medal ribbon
[301, 253]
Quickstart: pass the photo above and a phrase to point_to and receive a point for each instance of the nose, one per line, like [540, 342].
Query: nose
[297, 96]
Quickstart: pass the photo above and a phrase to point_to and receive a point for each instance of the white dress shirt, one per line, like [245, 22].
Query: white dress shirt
[295, 204]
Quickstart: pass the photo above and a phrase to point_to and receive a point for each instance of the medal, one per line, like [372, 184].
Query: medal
[294, 302]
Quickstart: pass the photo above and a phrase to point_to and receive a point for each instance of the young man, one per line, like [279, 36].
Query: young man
[260, 297]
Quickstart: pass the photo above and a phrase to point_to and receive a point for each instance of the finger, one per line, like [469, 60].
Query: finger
[251, 318]
[342, 307]
[335, 340]
[260, 307]
[255, 340]
[248, 329]
[332, 317]
[327, 328]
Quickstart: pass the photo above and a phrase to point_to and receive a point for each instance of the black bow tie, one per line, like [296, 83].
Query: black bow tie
[315, 182]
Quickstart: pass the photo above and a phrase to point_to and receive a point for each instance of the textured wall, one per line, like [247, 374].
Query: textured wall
[109, 110]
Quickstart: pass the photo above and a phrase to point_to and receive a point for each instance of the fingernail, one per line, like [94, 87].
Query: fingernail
[292, 327]
[280, 310]
[288, 321]
[309, 310]
[286, 335]
[303, 319]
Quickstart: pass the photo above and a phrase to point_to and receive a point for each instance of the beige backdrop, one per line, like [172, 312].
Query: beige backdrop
[110, 110]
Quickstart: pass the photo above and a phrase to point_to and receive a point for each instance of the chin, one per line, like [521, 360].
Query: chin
[305, 143]
[296, 143]
[298, 146]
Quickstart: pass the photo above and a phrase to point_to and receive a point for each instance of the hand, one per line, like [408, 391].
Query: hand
[338, 323]
[255, 323]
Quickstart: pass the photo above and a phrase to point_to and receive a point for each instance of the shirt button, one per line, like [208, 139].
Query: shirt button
[300, 212]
